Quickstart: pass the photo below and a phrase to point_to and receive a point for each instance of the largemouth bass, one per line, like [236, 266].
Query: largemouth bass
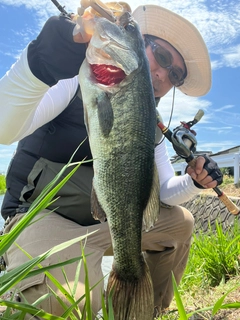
[120, 117]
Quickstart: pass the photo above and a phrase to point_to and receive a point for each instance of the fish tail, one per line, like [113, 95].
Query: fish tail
[131, 300]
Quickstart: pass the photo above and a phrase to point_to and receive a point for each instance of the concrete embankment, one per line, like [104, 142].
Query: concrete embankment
[206, 209]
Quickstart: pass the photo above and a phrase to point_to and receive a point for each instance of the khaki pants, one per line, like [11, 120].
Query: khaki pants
[166, 248]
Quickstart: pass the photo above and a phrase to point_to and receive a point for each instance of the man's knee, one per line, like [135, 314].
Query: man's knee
[184, 222]
[188, 222]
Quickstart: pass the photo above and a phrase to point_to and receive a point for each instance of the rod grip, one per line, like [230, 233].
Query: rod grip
[221, 195]
[192, 163]
[199, 115]
[229, 204]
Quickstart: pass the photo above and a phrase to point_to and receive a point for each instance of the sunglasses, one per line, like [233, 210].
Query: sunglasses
[165, 59]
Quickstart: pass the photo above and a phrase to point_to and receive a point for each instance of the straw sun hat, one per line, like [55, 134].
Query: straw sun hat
[184, 37]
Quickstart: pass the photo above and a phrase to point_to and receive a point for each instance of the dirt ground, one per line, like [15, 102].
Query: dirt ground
[203, 299]
[217, 293]
[230, 314]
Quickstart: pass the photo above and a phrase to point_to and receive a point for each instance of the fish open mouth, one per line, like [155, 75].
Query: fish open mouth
[107, 75]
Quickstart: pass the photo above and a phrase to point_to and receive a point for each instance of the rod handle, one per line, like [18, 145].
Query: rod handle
[199, 115]
[228, 203]
[221, 195]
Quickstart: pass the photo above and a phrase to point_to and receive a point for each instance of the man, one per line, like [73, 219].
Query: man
[45, 113]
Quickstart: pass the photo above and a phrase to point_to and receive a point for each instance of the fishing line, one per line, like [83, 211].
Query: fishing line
[171, 114]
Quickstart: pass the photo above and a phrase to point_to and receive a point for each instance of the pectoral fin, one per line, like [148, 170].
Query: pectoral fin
[105, 114]
[96, 209]
[152, 210]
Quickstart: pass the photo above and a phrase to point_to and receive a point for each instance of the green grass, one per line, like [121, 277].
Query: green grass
[214, 257]
[209, 278]
[11, 278]
[227, 180]
[213, 263]
[2, 184]
[33, 266]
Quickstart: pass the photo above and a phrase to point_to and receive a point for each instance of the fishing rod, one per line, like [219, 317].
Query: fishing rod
[184, 143]
[60, 8]
[97, 5]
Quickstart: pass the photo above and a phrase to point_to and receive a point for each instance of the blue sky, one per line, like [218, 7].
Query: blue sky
[219, 23]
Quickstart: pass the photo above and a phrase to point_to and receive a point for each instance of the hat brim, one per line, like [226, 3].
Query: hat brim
[185, 38]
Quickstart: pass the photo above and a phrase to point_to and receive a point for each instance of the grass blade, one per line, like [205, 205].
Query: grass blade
[218, 305]
[26, 308]
[181, 310]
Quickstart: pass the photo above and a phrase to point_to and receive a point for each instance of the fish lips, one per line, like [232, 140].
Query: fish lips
[108, 46]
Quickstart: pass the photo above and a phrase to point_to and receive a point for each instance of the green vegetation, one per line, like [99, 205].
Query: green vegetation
[212, 274]
[214, 257]
[227, 179]
[33, 266]
[2, 184]
[220, 253]
[210, 284]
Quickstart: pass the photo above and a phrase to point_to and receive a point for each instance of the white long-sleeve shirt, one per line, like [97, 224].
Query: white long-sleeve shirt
[27, 103]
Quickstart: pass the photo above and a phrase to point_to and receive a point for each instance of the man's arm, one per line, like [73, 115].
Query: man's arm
[175, 190]
[27, 103]
[54, 55]
[51, 57]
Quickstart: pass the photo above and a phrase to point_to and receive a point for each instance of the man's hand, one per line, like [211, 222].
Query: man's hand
[206, 173]
[83, 31]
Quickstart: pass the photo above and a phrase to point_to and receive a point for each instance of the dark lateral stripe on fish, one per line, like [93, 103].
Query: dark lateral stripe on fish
[105, 114]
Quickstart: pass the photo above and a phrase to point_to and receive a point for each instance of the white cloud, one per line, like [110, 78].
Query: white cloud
[217, 128]
[216, 64]
[231, 57]
[185, 108]
[228, 57]
[218, 22]
[216, 146]
[225, 118]
[229, 106]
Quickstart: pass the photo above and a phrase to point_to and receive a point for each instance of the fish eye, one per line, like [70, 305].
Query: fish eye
[130, 27]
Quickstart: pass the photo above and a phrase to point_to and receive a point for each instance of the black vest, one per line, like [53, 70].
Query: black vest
[52, 56]
[41, 155]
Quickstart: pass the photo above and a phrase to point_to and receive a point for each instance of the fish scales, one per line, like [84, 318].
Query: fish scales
[121, 120]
